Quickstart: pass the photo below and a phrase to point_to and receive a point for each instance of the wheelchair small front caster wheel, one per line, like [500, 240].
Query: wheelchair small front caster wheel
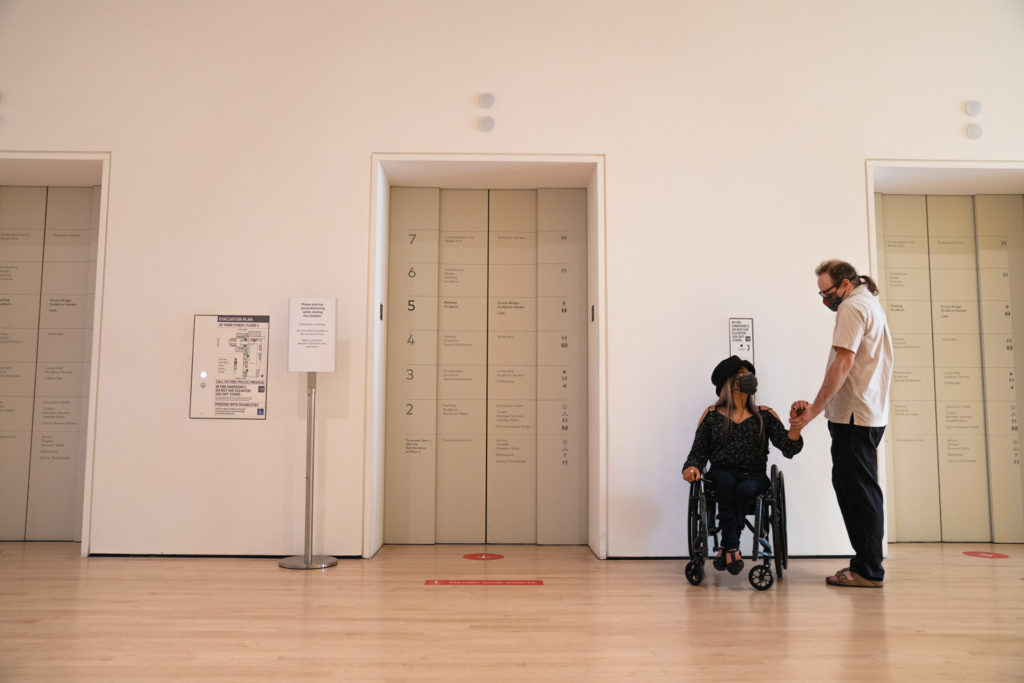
[761, 577]
[694, 572]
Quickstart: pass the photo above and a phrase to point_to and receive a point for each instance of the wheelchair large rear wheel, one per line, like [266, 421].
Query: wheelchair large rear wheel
[698, 530]
[777, 543]
[781, 539]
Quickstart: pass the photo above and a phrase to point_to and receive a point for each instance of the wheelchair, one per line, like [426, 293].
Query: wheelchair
[769, 511]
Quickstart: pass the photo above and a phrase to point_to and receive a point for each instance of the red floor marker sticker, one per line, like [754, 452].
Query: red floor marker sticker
[483, 582]
[989, 556]
[483, 556]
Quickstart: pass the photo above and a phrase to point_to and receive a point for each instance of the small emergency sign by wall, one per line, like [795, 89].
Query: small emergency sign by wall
[741, 338]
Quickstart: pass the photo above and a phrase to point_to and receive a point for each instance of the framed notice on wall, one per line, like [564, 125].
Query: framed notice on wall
[229, 367]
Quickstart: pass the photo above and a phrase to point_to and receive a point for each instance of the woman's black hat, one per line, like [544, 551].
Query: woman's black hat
[726, 369]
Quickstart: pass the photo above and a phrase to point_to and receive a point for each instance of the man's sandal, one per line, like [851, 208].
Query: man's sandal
[851, 579]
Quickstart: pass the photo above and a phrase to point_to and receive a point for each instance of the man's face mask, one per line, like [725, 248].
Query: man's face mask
[747, 384]
[830, 297]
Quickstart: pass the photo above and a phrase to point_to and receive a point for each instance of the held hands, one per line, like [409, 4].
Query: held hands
[691, 474]
[800, 413]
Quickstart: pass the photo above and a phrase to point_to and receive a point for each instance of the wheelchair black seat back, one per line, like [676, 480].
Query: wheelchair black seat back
[769, 529]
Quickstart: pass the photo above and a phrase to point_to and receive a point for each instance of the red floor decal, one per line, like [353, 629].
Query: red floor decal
[483, 556]
[483, 582]
[990, 556]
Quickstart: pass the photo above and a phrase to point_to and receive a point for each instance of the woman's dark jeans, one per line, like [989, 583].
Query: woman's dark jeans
[736, 493]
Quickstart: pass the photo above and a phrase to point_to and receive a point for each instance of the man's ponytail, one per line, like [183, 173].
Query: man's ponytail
[841, 270]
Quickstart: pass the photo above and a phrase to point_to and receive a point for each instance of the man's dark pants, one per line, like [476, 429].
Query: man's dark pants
[855, 480]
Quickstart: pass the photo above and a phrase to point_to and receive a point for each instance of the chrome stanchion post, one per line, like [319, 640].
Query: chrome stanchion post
[308, 560]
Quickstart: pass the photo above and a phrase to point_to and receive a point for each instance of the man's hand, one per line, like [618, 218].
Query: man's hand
[801, 413]
[691, 474]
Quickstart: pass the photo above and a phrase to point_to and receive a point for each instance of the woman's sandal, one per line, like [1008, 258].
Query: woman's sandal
[736, 566]
[719, 561]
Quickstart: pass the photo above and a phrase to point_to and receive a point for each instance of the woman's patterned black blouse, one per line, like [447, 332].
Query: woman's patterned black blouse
[743, 450]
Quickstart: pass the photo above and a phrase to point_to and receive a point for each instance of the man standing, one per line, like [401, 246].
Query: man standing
[855, 399]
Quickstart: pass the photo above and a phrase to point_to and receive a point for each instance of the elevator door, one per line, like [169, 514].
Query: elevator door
[950, 276]
[485, 437]
[47, 285]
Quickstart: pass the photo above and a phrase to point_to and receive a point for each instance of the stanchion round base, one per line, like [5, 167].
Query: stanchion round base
[316, 562]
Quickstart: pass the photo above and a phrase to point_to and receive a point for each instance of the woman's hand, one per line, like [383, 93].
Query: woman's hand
[799, 412]
[691, 474]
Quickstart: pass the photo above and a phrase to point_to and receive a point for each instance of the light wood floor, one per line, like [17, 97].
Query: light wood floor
[942, 615]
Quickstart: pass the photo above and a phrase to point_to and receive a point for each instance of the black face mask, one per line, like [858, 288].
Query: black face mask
[747, 384]
[832, 301]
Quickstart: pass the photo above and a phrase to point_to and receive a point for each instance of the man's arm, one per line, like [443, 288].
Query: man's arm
[835, 375]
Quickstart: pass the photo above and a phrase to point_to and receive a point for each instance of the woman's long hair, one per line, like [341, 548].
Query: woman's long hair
[725, 399]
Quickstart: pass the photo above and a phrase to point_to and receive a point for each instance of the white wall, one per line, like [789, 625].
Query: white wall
[240, 136]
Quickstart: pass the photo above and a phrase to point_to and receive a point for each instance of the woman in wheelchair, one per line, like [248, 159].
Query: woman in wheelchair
[733, 435]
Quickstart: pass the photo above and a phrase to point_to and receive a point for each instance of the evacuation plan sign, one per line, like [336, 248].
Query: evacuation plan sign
[229, 366]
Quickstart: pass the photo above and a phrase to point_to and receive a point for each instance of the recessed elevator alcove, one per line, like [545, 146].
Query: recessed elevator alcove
[476, 261]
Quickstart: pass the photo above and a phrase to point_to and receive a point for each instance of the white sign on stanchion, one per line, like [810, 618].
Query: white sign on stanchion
[311, 349]
[311, 334]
